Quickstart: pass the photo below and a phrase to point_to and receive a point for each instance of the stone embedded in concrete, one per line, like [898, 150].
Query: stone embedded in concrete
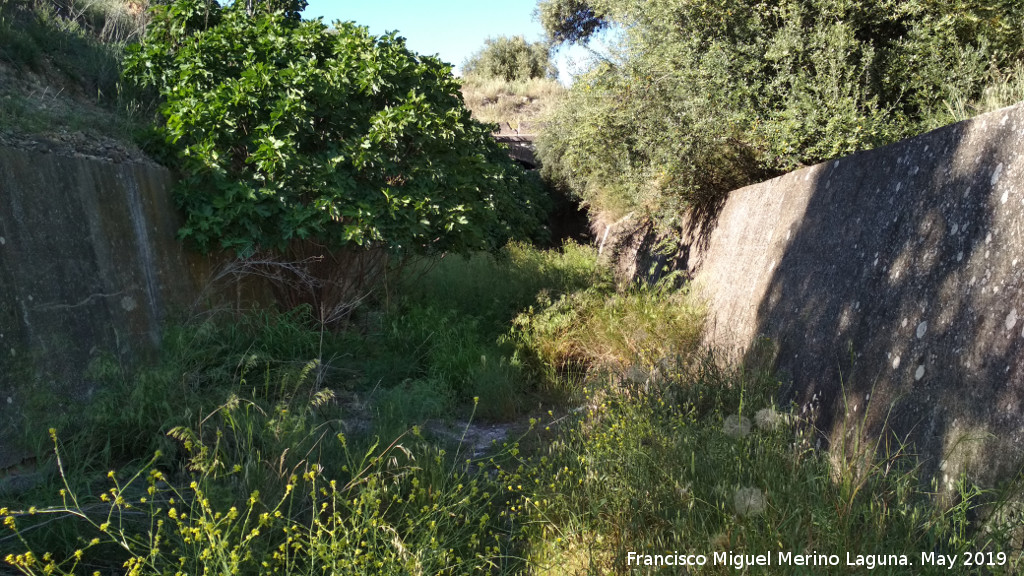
[925, 236]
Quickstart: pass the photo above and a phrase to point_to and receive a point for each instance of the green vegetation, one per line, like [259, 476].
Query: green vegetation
[60, 65]
[571, 20]
[288, 132]
[510, 81]
[84, 43]
[239, 404]
[631, 333]
[499, 409]
[702, 97]
[283, 448]
[699, 461]
[1006, 89]
[510, 59]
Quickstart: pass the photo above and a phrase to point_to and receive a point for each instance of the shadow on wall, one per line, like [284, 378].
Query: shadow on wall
[897, 291]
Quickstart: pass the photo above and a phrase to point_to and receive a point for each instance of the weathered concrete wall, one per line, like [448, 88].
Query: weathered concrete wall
[89, 262]
[892, 281]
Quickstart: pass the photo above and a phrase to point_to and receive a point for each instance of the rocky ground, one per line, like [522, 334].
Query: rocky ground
[75, 144]
[40, 112]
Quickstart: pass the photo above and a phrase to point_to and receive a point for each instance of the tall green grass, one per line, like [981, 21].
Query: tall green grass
[496, 287]
[282, 448]
[703, 462]
[396, 508]
[1005, 88]
[446, 339]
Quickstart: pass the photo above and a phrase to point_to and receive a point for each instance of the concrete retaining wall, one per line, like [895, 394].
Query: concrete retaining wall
[893, 283]
[89, 263]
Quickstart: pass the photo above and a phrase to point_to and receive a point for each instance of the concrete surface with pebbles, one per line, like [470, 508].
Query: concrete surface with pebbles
[895, 274]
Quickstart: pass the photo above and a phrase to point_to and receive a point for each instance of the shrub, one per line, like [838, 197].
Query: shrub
[286, 131]
[510, 59]
[701, 98]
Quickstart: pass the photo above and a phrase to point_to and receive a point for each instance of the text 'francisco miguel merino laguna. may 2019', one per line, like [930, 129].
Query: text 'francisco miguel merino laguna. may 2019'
[868, 561]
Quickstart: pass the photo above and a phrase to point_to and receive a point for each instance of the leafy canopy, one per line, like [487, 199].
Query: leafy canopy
[572, 21]
[285, 130]
[510, 59]
[705, 96]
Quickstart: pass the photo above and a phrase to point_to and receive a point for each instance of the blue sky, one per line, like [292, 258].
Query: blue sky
[453, 29]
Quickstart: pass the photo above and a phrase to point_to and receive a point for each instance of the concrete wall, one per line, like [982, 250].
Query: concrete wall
[89, 263]
[893, 283]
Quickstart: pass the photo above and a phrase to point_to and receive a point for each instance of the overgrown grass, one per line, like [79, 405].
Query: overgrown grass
[424, 356]
[516, 102]
[60, 62]
[397, 508]
[702, 462]
[497, 287]
[45, 110]
[243, 433]
[1005, 89]
[82, 40]
[446, 341]
[287, 449]
[625, 336]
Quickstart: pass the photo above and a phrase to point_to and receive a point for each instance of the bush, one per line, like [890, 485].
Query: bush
[510, 59]
[702, 98]
[287, 132]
